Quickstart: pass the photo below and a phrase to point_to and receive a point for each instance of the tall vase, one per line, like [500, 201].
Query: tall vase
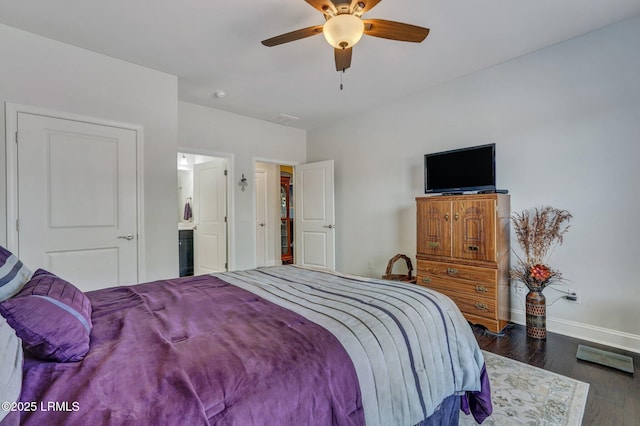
[536, 307]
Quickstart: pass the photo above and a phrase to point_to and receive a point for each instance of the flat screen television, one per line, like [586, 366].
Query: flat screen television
[461, 170]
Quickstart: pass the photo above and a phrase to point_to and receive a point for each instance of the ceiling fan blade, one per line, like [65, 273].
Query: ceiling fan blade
[368, 4]
[292, 36]
[322, 5]
[394, 30]
[343, 58]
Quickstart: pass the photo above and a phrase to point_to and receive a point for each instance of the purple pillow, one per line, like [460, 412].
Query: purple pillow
[51, 316]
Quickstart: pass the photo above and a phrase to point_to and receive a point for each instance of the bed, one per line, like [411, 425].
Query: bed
[282, 345]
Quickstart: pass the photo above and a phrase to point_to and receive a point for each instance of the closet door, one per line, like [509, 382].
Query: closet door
[315, 215]
[77, 200]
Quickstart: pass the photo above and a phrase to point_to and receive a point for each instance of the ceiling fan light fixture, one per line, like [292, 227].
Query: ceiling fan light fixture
[343, 31]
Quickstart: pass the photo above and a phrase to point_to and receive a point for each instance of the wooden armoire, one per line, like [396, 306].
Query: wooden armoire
[463, 252]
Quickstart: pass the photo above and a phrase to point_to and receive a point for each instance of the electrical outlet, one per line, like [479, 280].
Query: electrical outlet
[574, 293]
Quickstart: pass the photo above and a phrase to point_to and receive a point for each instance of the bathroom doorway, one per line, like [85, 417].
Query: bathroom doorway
[202, 214]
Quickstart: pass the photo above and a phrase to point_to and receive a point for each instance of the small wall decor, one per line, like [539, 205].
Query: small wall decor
[243, 183]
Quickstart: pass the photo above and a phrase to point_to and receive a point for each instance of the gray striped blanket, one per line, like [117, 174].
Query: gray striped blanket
[411, 346]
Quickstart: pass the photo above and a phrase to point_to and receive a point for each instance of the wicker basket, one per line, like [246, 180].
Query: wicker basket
[399, 277]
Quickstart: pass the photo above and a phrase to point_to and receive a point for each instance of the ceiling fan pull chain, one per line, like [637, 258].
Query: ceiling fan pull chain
[341, 79]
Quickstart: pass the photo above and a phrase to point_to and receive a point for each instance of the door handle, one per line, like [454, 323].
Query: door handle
[262, 224]
[329, 226]
[127, 237]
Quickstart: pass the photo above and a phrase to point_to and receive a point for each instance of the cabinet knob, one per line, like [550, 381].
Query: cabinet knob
[433, 245]
[456, 216]
[481, 289]
[446, 217]
[426, 280]
[452, 271]
[473, 248]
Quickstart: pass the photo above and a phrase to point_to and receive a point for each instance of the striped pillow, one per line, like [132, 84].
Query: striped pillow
[52, 317]
[13, 274]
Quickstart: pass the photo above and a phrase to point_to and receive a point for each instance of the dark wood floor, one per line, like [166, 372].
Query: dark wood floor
[614, 396]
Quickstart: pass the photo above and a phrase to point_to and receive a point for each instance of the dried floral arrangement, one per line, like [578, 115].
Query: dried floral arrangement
[538, 232]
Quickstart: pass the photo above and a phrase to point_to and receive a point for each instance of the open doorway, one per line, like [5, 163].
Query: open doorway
[311, 221]
[275, 214]
[202, 214]
[286, 215]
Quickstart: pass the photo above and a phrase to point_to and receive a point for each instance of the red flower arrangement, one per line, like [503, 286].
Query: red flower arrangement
[537, 232]
[540, 273]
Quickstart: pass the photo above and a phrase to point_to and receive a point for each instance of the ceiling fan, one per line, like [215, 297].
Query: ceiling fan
[344, 27]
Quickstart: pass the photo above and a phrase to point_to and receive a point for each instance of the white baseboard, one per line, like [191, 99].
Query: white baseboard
[604, 336]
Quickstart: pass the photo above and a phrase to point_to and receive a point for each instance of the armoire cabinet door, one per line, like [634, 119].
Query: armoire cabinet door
[434, 227]
[474, 224]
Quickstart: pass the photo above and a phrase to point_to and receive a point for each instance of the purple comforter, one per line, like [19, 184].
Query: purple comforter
[192, 352]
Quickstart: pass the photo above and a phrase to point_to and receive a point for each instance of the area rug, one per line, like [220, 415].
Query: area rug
[527, 395]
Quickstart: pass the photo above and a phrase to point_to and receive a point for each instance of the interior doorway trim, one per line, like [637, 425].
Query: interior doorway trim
[230, 196]
[11, 161]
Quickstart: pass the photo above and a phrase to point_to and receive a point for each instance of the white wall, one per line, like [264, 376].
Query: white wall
[245, 139]
[40, 72]
[566, 122]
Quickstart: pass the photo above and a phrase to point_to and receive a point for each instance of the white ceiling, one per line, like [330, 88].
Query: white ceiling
[215, 45]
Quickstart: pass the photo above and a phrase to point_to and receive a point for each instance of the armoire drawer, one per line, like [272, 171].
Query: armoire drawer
[470, 280]
[480, 306]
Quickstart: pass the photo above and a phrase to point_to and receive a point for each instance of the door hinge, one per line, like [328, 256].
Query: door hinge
[225, 172]
[225, 219]
[16, 136]
[226, 265]
[17, 225]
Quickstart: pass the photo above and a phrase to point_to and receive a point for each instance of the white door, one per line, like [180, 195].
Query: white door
[261, 218]
[77, 200]
[315, 215]
[210, 217]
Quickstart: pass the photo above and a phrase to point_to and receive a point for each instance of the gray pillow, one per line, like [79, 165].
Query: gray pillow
[13, 274]
[10, 365]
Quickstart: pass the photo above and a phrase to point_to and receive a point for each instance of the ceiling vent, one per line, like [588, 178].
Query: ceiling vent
[284, 119]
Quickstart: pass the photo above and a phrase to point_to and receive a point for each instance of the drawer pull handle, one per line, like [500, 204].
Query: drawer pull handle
[434, 245]
[481, 306]
[452, 271]
[481, 289]
[474, 248]
[426, 280]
